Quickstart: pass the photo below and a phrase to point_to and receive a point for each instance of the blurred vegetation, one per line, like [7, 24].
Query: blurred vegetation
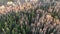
[21, 22]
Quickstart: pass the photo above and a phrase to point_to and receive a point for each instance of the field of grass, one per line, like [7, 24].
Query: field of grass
[40, 20]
